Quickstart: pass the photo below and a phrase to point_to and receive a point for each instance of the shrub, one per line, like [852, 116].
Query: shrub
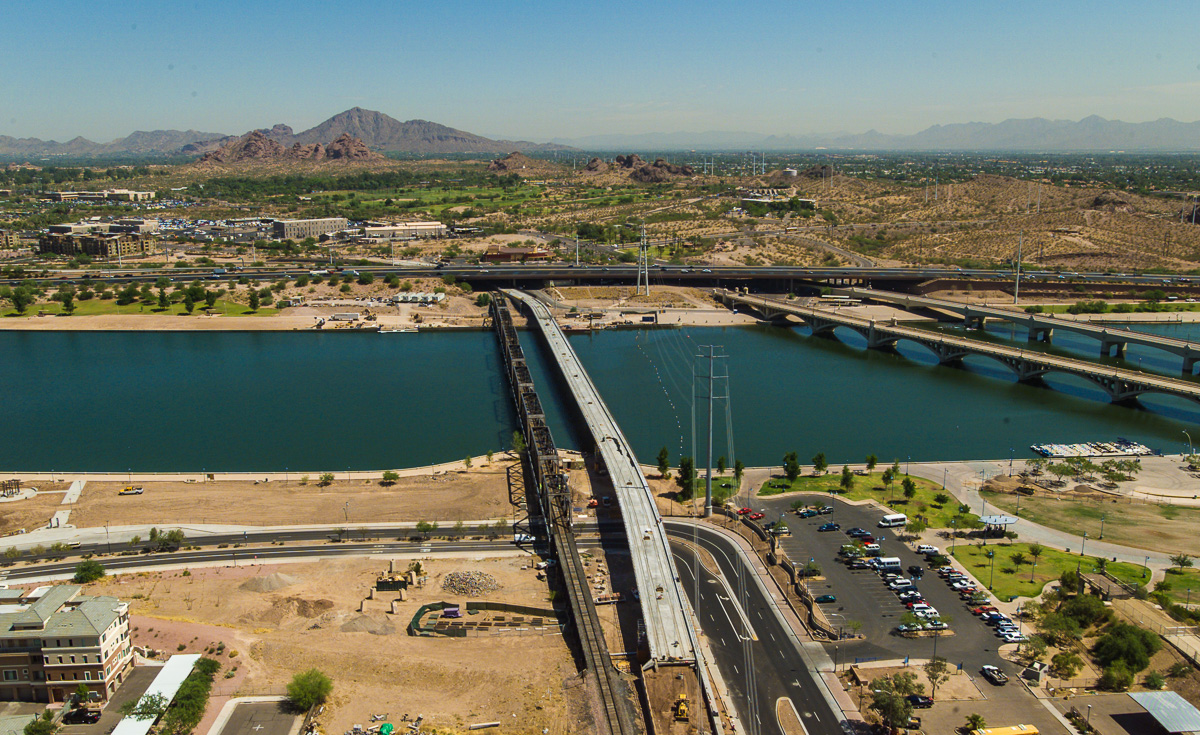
[1116, 677]
[1128, 645]
[191, 700]
[88, 571]
[308, 689]
[1155, 680]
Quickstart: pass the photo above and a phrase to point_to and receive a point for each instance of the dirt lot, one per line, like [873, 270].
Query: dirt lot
[312, 622]
[478, 494]
[32, 512]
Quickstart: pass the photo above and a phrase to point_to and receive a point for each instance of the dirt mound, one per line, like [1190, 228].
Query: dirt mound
[269, 583]
[633, 160]
[660, 171]
[470, 584]
[365, 624]
[513, 162]
[596, 165]
[346, 148]
[287, 608]
[1113, 201]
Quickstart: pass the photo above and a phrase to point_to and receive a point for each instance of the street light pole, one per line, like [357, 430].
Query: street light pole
[992, 575]
[346, 510]
[1189, 438]
[944, 471]
[1084, 544]
[1102, 516]
[1146, 568]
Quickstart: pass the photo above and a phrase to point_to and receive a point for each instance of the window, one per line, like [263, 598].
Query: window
[72, 659]
[75, 676]
[87, 675]
[60, 659]
[25, 674]
[10, 674]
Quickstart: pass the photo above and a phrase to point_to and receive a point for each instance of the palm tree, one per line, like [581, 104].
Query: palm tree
[975, 721]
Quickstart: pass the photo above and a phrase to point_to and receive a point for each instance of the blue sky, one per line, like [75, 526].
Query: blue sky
[538, 70]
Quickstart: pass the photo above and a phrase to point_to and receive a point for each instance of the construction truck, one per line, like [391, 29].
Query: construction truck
[681, 707]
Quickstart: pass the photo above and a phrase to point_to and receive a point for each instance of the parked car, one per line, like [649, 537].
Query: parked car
[132, 490]
[1013, 638]
[81, 717]
[900, 584]
[858, 563]
[916, 571]
[994, 675]
[757, 516]
[744, 511]
[857, 532]
[927, 550]
[920, 701]
[806, 513]
[909, 596]
[825, 510]
[825, 598]
[829, 527]
[936, 625]
[983, 609]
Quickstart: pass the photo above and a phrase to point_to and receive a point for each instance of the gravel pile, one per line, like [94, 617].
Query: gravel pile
[269, 583]
[470, 584]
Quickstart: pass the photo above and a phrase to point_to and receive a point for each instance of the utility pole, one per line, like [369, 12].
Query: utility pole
[1017, 286]
[711, 395]
[643, 263]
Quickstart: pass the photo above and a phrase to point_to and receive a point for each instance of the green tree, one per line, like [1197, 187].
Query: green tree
[664, 461]
[1033, 649]
[43, 725]
[467, 462]
[937, 672]
[148, 707]
[872, 460]
[687, 478]
[164, 301]
[21, 297]
[739, 469]
[255, 300]
[88, 570]
[888, 478]
[1154, 680]
[1066, 665]
[1018, 558]
[910, 488]
[483, 299]
[189, 304]
[975, 721]
[425, 528]
[847, 481]
[518, 442]
[820, 464]
[1117, 677]
[390, 477]
[721, 465]
[210, 299]
[1183, 561]
[82, 694]
[889, 700]
[791, 466]
[326, 478]
[309, 689]
[1126, 644]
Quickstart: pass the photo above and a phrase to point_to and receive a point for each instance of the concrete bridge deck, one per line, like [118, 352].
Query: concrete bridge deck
[1113, 340]
[669, 630]
[1028, 365]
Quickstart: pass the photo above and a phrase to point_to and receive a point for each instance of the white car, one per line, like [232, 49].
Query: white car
[900, 584]
[927, 550]
[1013, 638]
[929, 614]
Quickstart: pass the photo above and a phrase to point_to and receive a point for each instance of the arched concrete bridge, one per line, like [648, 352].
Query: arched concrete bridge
[1113, 340]
[1028, 365]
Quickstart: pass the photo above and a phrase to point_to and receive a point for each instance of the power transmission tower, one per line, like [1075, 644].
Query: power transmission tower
[710, 378]
[643, 264]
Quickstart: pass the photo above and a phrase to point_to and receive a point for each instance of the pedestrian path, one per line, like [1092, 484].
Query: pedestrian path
[74, 492]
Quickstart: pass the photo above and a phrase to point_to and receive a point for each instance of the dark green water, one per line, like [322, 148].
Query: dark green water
[93, 401]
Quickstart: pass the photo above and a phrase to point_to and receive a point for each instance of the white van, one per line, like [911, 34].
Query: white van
[893, 520]
[888, 564]
[928, 550]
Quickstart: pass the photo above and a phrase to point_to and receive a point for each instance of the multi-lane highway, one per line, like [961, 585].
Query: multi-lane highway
[780, 665]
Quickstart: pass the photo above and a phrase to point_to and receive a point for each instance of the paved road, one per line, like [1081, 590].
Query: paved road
[258, 555]
[781, 668]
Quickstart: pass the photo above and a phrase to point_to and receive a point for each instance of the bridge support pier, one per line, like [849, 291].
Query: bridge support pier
[1041, 334]
[970, 321]
[1112, 348]
[1189, 364]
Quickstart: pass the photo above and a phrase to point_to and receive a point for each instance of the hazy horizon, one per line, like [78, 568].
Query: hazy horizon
[543, 71]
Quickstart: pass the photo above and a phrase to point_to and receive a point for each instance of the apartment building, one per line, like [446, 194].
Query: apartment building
[298, 229]
[53, 639]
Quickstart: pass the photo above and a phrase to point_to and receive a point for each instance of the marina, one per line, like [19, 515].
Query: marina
[1119, 448]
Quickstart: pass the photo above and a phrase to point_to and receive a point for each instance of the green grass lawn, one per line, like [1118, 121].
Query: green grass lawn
[1180, 583]
[96, 307]
[1165, 307]
[1027, 580]
[923, 504]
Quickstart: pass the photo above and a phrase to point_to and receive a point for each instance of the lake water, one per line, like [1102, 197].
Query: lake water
[312, 402]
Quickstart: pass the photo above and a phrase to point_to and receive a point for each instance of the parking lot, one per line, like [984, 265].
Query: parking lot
[134, 686]
[863, 596]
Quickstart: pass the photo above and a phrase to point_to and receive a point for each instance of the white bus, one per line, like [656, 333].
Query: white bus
[895, 519]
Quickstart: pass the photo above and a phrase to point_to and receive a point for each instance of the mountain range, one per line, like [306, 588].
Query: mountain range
[381, 132]
[378, 131]
[1094, 134]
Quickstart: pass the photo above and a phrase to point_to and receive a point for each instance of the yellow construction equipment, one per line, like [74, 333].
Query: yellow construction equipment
[681, 707]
